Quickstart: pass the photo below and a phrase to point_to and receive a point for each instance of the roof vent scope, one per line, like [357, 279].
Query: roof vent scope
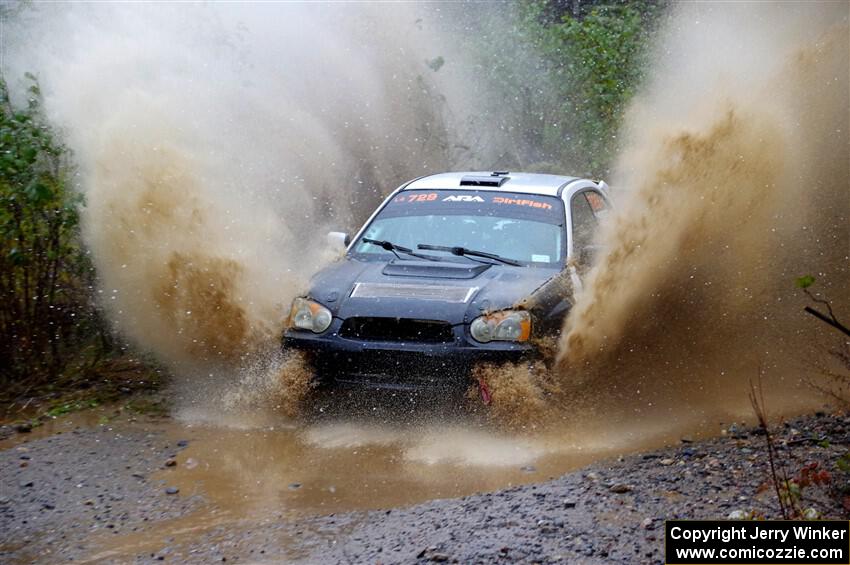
[492, 180]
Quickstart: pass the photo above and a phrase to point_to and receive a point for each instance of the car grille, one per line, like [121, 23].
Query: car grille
[395, 329]
[394, 370]
[420, 291]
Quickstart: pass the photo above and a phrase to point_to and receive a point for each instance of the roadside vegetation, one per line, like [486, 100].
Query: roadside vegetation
[829, 472]
[56, 352]
[597, 54]
[566, 72]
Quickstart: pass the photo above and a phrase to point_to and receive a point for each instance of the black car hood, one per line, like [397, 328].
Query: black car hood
[455, 292]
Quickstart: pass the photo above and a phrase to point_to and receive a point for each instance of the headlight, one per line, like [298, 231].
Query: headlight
[507, 325]
[309, 315]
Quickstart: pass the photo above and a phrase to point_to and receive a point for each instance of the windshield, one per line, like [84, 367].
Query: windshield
[526, 228]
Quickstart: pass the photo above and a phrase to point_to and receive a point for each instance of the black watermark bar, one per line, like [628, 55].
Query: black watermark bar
[697, 542]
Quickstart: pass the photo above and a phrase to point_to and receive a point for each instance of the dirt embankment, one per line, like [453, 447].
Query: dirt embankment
[89, 494]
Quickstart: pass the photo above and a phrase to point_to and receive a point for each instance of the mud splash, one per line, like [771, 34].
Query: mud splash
[734, 181]
[348, 464]
[521, 394]
[177, 279]
[278, 382]
[217, 144]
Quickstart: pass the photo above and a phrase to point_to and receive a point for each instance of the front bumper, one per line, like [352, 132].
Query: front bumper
[399, 365]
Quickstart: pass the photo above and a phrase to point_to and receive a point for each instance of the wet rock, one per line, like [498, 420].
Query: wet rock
[294, 486]
[686, 440]
[23, 428]
[432, 554]
[172, 490]
[171, 462]
[620, 488]
[811, 514]
[736, 431]
[183, 443]
[546, 526]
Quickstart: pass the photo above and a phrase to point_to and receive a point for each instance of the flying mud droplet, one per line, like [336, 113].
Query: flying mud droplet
[521, 393]
[733, 181]
[217, 145]
[279, 385]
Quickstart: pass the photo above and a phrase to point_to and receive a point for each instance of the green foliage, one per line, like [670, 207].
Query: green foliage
[805, 282]
[436, 63]
[597, 60]
[43, 272]
[843, 463]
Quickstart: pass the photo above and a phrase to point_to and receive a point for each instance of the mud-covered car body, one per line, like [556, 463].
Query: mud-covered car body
[424, 316]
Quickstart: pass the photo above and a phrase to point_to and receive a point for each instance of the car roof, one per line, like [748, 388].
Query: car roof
[531, 183]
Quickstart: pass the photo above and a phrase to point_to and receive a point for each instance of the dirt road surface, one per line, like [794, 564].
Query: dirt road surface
[87, 492]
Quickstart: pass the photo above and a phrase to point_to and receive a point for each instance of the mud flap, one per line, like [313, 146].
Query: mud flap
[484, 391]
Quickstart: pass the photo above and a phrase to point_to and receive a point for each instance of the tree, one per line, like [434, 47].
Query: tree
[43, 299]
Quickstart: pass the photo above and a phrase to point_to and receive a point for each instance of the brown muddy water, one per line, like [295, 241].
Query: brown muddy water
[342, 465]
[264, 468]
[373, 459]
[260, 467]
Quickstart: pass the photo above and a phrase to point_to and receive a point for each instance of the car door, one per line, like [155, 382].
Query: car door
[587, 207]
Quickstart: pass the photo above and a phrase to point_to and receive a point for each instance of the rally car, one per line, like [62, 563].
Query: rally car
[451, 270]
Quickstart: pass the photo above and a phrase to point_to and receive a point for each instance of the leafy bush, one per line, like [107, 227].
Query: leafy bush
[597, 55]
[44, 276]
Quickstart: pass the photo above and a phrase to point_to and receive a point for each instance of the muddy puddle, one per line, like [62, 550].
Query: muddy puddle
[339, 464]
[260, 468]
[256, 467]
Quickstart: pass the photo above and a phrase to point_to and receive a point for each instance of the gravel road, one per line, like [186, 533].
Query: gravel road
[60, 493]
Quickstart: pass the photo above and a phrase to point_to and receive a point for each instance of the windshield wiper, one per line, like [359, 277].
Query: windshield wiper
[462, 251]
[392, 247]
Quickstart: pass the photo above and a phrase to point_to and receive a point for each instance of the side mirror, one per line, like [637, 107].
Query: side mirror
[339, 240]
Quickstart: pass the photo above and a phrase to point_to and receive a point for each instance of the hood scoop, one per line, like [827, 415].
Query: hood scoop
[459, 294]
[433, 269]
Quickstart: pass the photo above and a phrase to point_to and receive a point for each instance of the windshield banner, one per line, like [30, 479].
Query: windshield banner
[535, 207]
